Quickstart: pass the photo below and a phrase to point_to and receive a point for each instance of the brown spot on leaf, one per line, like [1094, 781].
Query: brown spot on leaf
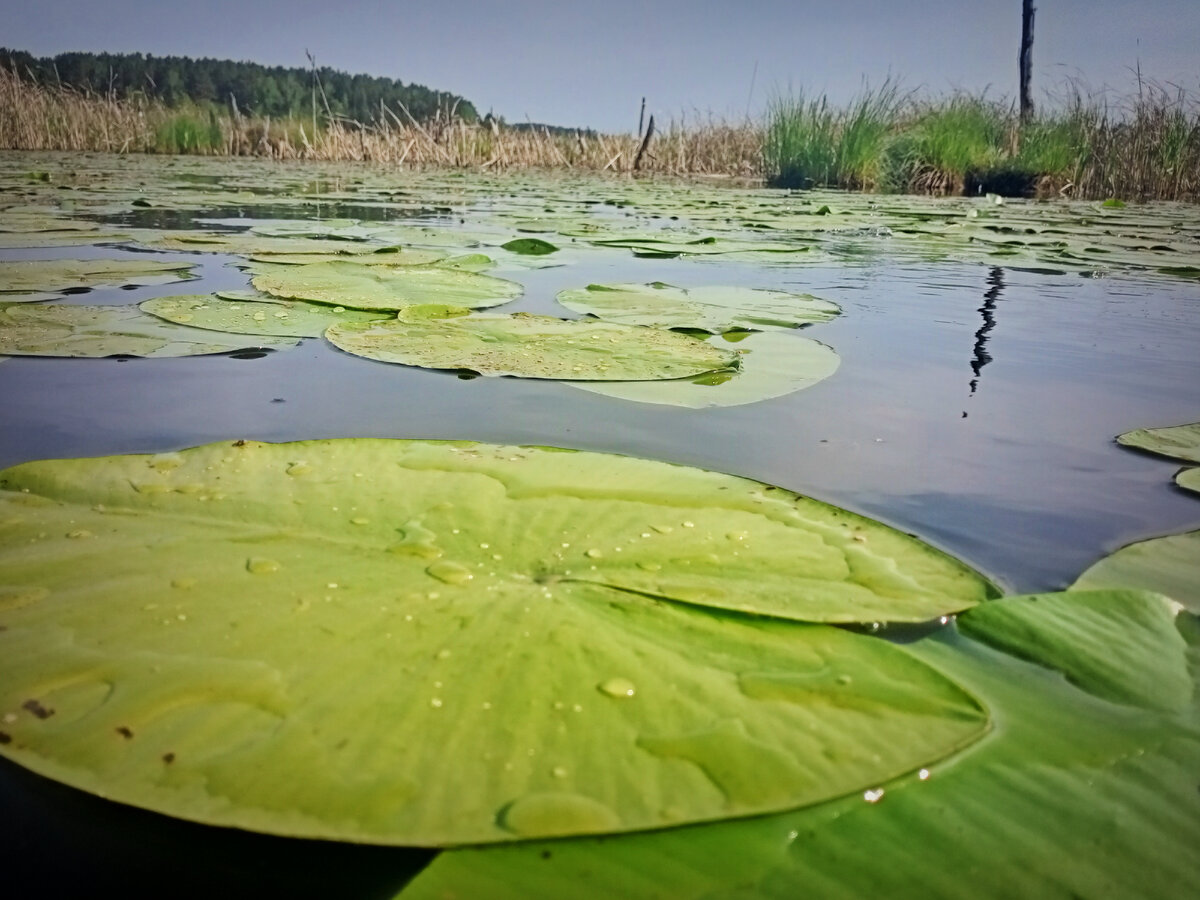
[5, 737]
[37, 709]
[168, 758]
[125, 732]
[239, 443]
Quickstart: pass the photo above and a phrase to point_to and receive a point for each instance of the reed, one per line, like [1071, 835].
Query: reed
[1147, 146]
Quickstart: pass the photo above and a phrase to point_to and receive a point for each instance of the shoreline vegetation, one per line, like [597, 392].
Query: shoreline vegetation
[1143, 147]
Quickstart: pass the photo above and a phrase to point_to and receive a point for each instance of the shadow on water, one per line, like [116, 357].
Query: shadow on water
[988, 311]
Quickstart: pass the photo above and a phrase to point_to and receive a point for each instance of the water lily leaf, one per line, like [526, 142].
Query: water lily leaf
[16, 240]
[529, 247]
[528, 346]
[1177, 441]
[1070, 797]
[713, 309]
[286, 318]
[382, 641]
[38, 279]
[382, 287]
[392, 256]
[773, 364]
[1169, 565]
[98, 331]
[246, 243]
[1121, 645]
[1189, 479]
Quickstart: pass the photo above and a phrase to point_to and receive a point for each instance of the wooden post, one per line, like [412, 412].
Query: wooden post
[1025, 59]
[637, 160]
[641, 118]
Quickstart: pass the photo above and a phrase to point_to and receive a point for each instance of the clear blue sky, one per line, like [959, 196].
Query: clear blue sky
[572, 63]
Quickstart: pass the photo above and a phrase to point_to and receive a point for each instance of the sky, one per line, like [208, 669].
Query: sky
[589, 64]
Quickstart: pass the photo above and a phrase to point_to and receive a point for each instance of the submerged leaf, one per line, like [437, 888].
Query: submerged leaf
[1169, 565]
[772, 364]
[382, 287]
[1117, 644]
[531, 347]
[390, 641]
[98, 331]
[39, 279]
[714, 309]
[529, 247]
[286, 318]
[1177, 441]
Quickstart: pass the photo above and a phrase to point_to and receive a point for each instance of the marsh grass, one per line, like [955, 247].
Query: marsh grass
[1147, 146]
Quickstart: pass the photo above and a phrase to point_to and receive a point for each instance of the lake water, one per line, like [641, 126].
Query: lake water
[975, 406]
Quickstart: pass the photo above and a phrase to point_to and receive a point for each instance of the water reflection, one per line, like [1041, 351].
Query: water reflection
[995, 282]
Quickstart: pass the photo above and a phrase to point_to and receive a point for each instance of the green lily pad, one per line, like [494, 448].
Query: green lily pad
[40, 279]
[386, 641]
[286, 318]
[1177, 441]
[1169, 565]
[773, 364]
[713, 309]
[1117, 644]
[1189, 479]
[389, 257]
[382, 287]
[1070, 797]
[247, 243]
[99, 331]
[528, 346]
[530, 247]
[15, 240]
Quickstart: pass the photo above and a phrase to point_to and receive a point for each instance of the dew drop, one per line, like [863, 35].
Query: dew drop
[662, 529]
[360, 520]
[559, 772]
[261, 565]
[873, 796]
[593, 553]
[617, 687]
[923, 774]
[443, 654]
[183, 584]
[80, 533]
[450, 572]
[435, 702]
[299, 468]
[556, 813]
[738, 535]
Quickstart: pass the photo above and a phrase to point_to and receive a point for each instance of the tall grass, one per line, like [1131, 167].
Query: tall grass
[1145, 146]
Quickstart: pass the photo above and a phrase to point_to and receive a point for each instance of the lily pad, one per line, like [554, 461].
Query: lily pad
[286, 318]
[529, 247]
[385, 641]
[773, 364]
[99, 331]
[383, 287]
[1177, 441]
[528, 346]
[1169, 565]
[1070, 797]
[389, 257]
[1189, 479]
[713, 309]
[1117, 644]
[40, 279]
[246, 243]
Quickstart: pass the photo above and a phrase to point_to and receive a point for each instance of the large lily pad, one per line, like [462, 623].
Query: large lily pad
[1169, 565]
[1189, 479]
[40, 279]
[246, 243]
[1071, 797]
[1118, 644]
[1177, 441]
[530, 346]
[713, 309]
[98, 331]
[382, 287]
[387, 641]
[772, 364]
[268, 316]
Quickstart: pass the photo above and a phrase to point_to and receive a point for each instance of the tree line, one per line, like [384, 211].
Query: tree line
[252, 88]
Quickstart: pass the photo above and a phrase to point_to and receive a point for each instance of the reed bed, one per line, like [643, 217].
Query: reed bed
[1143, 147]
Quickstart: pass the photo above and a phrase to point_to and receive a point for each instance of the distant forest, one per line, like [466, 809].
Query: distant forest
[257, 90]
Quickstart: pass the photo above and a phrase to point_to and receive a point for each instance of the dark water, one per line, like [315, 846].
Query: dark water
[975, 407]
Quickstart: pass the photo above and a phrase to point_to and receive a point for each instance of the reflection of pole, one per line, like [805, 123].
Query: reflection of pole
[990, 296]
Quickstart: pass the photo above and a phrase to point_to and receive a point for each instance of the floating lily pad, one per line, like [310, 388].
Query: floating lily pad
[286, 318]
[1071, 797]
[382, 287]
[713, 309]
[530, 247]
[245, 243]
[528, 346]
[1169, 565]
[773, 364]
[1117, 644]
[1189, 479]
[1177, 441]
[390, 257]
[41, 279]
[406, 642]
[98, 331]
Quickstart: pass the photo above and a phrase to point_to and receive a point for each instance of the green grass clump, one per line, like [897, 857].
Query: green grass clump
[186, 132]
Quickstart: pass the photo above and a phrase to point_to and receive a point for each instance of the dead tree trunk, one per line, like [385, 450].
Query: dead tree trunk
[1025, 59]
